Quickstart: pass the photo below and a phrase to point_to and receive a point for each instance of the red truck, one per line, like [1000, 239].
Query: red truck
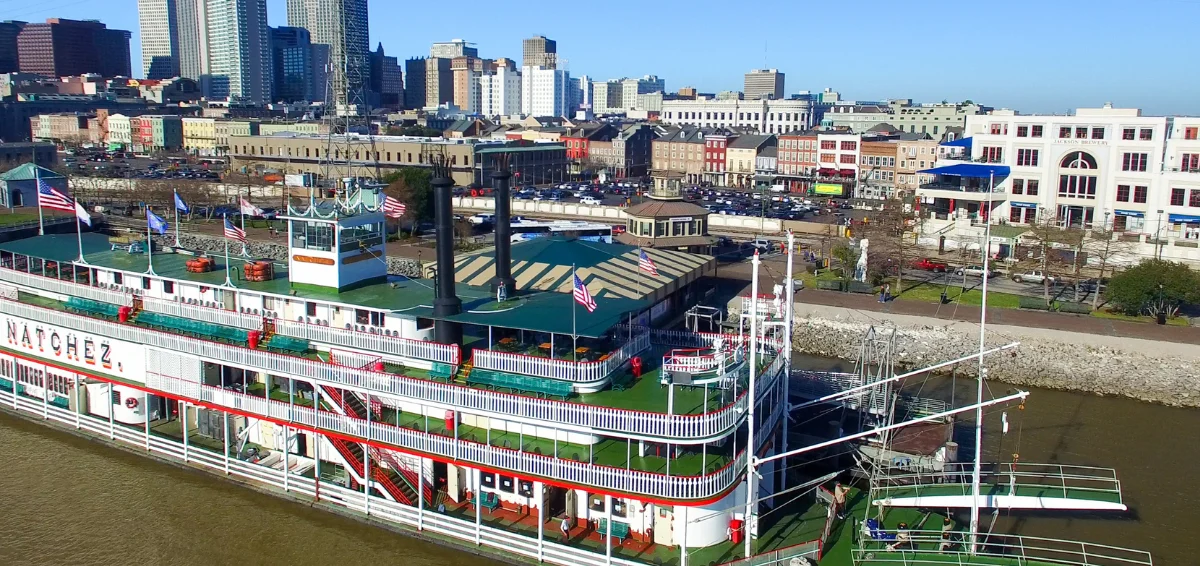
[930, 265]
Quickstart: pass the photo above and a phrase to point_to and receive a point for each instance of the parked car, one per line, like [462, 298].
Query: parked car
[1089, 285]
[482, 218]
[618, 229]
[762, 244]
[590, 200]
[1035, 276]
[974, 271]
[930, 265]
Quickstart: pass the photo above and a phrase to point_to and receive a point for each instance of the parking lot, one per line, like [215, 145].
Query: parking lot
[127, 165]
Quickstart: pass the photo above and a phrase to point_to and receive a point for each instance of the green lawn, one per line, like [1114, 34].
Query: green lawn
[1107, 314]
[21, 217]
[932, 293]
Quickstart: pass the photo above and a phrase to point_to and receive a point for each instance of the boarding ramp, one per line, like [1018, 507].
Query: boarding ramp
[1005, 486]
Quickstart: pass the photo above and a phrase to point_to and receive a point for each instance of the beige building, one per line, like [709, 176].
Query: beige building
[911, 157]
[200, 136]
[679, 153]
[227, 129]
[310, 128]
[741, 157]
[876, 169]
[64, 128]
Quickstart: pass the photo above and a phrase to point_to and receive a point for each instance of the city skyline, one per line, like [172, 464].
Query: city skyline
[1035, 70]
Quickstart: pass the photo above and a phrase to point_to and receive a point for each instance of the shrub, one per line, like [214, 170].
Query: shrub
[1033, 303]
[1075, 308]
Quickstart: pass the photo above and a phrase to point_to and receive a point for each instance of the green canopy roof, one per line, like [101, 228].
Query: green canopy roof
[28, 172]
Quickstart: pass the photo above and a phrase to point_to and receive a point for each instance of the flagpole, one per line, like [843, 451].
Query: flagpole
[78, 231]
[176, 205]
[228, 282]
[244, 252]
[574, 302]
[149, 244]
[37, 186]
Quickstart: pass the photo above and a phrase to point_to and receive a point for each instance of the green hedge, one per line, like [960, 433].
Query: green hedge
[1075, 308]
[860, 287]
[829, 285]
[1034, 303]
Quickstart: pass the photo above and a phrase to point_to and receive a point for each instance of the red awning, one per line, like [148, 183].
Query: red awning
[827, 172]
[848, 172]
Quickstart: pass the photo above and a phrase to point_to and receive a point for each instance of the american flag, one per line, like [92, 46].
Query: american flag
[393, 208]
[50, 197]
[583, 297]
[234, 232]
[646, 264]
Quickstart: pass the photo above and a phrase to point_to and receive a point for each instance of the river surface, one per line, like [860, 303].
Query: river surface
[71, 501]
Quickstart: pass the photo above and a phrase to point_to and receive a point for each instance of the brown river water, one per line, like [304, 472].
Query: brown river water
[71, 501]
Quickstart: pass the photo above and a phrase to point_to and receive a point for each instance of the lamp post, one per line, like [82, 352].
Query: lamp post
[1158, 237]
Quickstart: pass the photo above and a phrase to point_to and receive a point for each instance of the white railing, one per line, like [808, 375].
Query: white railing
[618, 421]
[996, 549]
[66, 287]
[565, 370]
[404, 347]
[616, 479]
[328, 493]
[206, 314]
[9, 292]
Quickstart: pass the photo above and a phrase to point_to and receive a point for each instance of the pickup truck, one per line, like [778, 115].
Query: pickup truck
[1034, 277]
[930, 265]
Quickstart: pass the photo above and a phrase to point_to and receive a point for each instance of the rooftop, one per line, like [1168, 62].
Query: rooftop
[28, 172]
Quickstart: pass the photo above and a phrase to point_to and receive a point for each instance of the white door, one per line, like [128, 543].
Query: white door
[664, 525]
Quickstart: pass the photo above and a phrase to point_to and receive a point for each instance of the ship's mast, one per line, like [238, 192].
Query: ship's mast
[982, 373]
[346, 110]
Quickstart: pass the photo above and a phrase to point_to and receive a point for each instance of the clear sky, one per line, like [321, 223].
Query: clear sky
[1030, 55]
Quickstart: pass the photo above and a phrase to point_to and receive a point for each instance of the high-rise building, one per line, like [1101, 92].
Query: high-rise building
[453, 48]
[606, 96]
[763, 83]
[466, 72]
[414, 83]
[8, 46]
[387, 80]
[159, 32]
[544, 92]
[439, 81]
[63, 47]
[631, 88]
[500, 92]
[580, 93]
[239, 50]
[341, 25]
[191, 27]
[538, 51]
[291, 61]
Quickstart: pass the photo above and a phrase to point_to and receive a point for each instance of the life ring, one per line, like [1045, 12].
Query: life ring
[474, 192]
[131, 402]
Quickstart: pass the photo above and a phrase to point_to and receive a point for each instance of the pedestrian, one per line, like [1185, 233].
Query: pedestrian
[565, 527]
[887, 292]
[839, 499]
[903, 539]
[881, 294]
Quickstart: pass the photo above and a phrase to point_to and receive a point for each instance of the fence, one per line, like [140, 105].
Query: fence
[380, 343]
[65, 287]
[206, 314]
[565, 370]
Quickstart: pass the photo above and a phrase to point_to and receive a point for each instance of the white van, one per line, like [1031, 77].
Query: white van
[591, 201]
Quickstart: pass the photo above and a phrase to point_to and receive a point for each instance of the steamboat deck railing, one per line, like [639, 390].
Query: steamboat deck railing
[565, 370]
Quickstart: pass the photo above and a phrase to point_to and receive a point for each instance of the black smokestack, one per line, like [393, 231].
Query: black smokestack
[503, 239]
[447, 302]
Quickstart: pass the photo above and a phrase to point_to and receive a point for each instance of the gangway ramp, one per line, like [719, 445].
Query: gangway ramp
[1006, 486]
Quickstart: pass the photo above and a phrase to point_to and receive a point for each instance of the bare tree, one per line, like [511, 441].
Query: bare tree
[893, 239]
[1105, 244]
[1051, 250]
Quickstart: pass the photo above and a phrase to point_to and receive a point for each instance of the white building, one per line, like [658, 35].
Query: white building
[765, 116]
[631, 88]
[544, 91]
[606, 97]
[500, 93]
[239, 50]
[1099, 167]
[838, 154]
[118, 130]
[159, 35]
[192, 39]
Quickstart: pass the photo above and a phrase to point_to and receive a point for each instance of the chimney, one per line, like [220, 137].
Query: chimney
[503, 236]
[447, 302]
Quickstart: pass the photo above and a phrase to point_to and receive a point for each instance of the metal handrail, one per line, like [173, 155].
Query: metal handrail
[381, 343]
[623, 421]
[923, 547]
[65, 287]
[1058, 475]
[206, 314]
[565, 370]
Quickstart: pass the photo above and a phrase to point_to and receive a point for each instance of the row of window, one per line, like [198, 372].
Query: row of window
[801, 156]
[786, 143]
[1138, 162]
[1178, 196]
[879, 161]
[755, 116]
[1077, 132]
[385, 156]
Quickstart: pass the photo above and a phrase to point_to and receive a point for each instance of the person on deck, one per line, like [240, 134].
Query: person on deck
[565, 527]
[903, 539]
[839, 499]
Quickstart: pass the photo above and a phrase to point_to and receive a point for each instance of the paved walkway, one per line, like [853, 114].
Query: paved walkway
[1010, 317]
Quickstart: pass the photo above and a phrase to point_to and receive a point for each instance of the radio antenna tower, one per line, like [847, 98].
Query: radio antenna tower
[350, 143]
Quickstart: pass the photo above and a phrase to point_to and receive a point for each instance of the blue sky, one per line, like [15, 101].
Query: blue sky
[1034, 56]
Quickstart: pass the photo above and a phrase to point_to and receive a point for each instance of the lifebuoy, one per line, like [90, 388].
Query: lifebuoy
[474, 192]
[131, 402]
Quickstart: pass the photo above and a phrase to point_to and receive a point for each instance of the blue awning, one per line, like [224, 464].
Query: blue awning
[1023, 204]
[1134, 213]
[973, 170]
[1183, 219]
[960, 142]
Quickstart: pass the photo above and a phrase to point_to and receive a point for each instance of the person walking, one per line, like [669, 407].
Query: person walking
[565, 527]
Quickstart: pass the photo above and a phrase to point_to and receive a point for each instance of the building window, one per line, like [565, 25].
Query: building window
[847, 158]
[1134, 161]
[1140, 193]
[168, 287]
[995, 129]
[1064, 132]
[828, 144]
[1027, 157]
[1122, 193]
[1031, 187]
[1190, 162]
[1190, 133]
[1097, 133]
[1177, 197]
[1194, 201]
[1014, 215]
[1147, 134]
[1127, 134]
[1081, 132]
[1018, 186]
[1035, 132]
[992, 154]
[1022, 131]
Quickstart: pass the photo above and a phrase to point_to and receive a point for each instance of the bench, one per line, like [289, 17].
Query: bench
[287, 344]
[196, 328]
[88, 306]
[523, 383]
[620, 531]
[442, 372]
[490, 501]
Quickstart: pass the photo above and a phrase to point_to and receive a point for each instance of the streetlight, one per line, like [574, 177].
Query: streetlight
[1158, 238]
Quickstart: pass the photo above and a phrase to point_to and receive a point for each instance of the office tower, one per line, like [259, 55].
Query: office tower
[544, 91]
[453, 48]
[414, 83]
[8, 45]
[158, 29]
[62, 47]
[439, 81]
[538, 51]
[631, 88]
[341, 25]
[763, 83]
[239, 50]
[387, 80]
[191, 26]
[291, 60]
[500, 92]
[466, 72]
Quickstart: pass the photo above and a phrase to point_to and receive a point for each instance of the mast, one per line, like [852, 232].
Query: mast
[751, 492]
[987, 245]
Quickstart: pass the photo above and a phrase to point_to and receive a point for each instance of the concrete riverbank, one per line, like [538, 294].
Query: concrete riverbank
[1140, 368]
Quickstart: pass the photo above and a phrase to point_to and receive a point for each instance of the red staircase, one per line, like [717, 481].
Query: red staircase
[352, 453]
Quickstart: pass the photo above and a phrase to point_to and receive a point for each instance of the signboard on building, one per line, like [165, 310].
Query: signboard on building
[831, 189]
[74, 348]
